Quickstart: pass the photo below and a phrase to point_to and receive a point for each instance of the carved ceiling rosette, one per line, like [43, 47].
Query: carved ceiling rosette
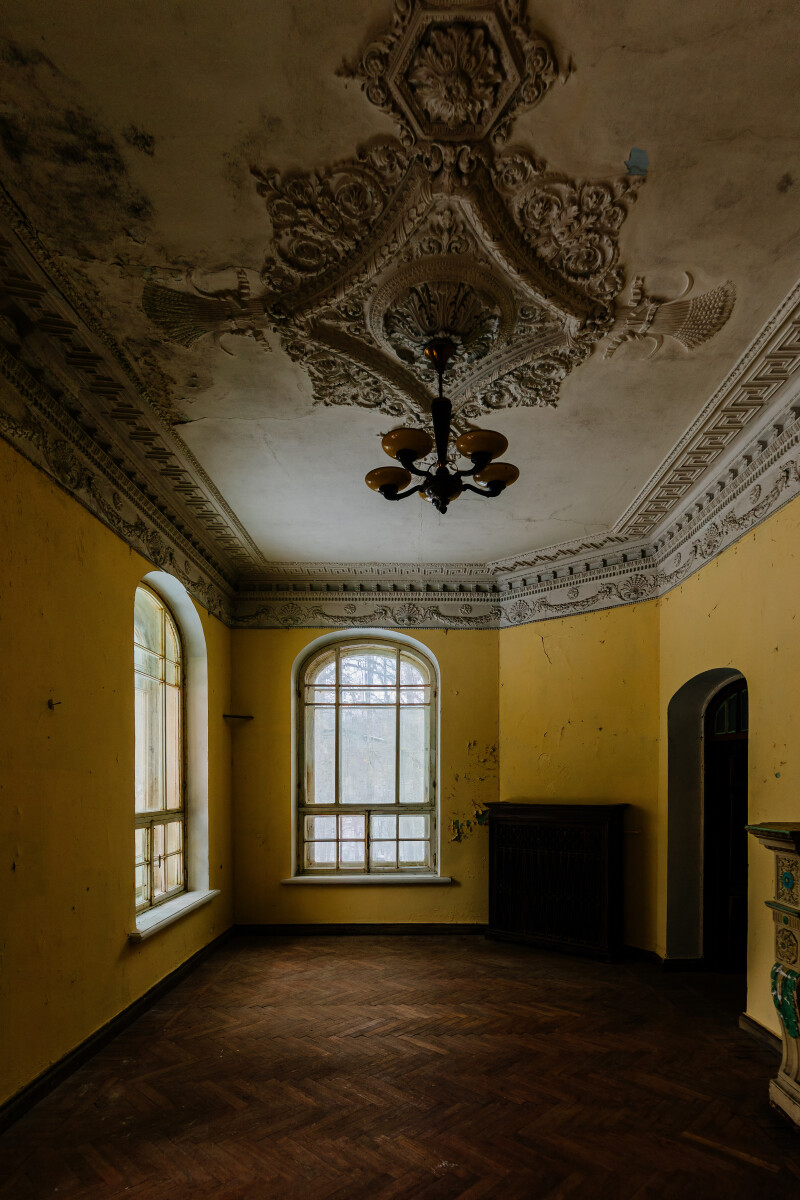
[453, 71]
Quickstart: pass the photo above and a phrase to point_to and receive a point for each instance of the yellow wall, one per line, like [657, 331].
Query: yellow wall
[741, 611]
[66, 785]
[262, 665]
[579, 723]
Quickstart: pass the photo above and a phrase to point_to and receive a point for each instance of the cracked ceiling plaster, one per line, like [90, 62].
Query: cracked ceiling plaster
[129, 135]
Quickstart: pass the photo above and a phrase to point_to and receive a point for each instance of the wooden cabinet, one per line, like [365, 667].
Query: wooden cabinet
[555, 876]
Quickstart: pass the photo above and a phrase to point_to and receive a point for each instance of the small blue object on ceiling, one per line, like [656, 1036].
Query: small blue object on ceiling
[637, 162]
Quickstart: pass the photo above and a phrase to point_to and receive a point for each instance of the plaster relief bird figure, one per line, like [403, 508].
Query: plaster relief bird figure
[186, 314]
[688, 321]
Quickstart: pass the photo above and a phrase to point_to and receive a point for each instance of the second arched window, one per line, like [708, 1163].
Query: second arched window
[367, 784]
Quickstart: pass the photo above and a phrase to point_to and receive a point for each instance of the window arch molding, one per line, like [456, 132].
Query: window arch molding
[315, 649]
[195, 664]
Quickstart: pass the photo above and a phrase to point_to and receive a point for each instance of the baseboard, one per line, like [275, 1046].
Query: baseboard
[357, 929]
[765, 1036]
[636, 954]
[57, 1072]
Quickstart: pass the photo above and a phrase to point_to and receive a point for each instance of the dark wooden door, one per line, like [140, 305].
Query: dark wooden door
[725, 818]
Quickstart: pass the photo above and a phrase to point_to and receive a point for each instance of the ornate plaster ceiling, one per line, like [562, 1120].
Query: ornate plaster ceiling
[268, 211]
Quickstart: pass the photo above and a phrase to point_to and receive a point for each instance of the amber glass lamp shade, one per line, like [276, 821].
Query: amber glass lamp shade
[481, 441]
[502, 472]
[416, 441]
[387, 476]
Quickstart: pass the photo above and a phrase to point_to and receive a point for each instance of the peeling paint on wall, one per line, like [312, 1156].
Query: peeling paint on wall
[460, 828]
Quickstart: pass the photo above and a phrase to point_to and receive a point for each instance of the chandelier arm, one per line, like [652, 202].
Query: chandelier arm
[390, 493]
[405, 457]
[479, 461]
[492, 489]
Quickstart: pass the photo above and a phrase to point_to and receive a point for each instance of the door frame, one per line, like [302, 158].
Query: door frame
[685, 826]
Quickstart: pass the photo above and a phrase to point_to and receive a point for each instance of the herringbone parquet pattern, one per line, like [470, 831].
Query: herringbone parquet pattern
[342, 1068]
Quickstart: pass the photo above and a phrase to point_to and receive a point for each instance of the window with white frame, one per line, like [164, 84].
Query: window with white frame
[160, 816]
[367, 746]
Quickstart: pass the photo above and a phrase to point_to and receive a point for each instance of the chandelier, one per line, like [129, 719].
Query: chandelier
[440, 484]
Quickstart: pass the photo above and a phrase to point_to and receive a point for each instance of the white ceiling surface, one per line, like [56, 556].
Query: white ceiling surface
[707, 89]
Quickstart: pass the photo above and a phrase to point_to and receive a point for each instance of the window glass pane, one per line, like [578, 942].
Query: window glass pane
[409, 695]
[378, 667]
[141, 846]
[320, 827]
[375, 695]
[732, 706]
[351, 854]
[414, 853]
[149, 761]
[172, 645]
[147, 622]
[318, 695]
[174, 871]
[326, 674]
[172, 672]
[142, 867]
[320, 755]
[351, 827]
[383, 854]
[719, 720]
[367, 755]
[159, 862]
[414, 827]
[413, 755]
[320, 854]
[172, 735]
[147, 662]
[383, 826]
[410, 673]
[174, 836]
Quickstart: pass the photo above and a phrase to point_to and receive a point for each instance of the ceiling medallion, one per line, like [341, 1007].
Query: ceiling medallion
[442, 230]
[441, 485]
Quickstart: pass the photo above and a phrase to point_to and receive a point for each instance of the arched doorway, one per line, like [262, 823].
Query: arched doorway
[725, 836]
[687, 940]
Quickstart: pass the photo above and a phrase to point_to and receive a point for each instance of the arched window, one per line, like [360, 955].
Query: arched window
[366, 780]
[160, 815]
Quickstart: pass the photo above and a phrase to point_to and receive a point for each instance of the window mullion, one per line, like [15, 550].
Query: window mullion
[397, 728]
[150, 878]
[336, 719]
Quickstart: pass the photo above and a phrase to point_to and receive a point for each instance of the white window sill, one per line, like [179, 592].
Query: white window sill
[361, 880]
[158, 918]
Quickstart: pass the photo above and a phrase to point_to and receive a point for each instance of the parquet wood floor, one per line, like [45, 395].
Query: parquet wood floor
[340, 1068]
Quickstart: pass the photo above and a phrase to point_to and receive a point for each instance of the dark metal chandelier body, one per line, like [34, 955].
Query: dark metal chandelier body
[440, 485]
